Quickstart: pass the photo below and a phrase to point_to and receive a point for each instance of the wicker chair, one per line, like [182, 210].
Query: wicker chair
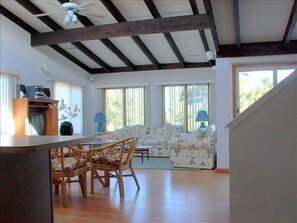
[113, 158]
[67, 163]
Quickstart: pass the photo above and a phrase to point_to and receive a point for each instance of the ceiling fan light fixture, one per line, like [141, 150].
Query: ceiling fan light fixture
[74, 19]
[70, 5]
[67, 20]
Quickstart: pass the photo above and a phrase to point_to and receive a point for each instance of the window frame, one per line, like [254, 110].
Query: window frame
[274, 67]
[124, 99]
[186, 112]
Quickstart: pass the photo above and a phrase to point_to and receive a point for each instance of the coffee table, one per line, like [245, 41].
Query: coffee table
[142, 151]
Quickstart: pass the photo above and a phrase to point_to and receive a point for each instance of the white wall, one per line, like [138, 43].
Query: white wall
[18, 57]
[224, 97]
[263, 155]
[223, 110]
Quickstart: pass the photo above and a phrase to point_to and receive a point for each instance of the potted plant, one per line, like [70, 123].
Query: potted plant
[65, 114]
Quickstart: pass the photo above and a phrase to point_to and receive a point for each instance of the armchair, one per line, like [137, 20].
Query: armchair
[67, 163]
[115, 157]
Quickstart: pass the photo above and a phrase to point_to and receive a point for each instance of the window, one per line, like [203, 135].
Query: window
[7, 93]
[124, 107]
[253, 82]
[182, 103]
[72, 96]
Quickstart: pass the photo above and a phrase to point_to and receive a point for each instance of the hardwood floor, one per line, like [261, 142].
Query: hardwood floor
[165, 196]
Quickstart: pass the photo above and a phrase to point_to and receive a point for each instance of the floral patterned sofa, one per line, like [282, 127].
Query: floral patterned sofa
[194, 150]
[159, 138]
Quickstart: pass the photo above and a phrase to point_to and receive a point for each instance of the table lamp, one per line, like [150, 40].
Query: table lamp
[100, 118]
[201, 117]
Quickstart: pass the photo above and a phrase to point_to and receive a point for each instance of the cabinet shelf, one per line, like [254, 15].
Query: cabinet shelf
[39, 106]
[22, 107]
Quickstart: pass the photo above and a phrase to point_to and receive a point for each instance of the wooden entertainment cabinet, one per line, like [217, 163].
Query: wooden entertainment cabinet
[23, 107]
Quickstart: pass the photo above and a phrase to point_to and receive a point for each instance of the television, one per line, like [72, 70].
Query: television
[37, 123]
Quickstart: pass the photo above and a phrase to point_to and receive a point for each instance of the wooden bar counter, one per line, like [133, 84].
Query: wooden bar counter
[25, 176]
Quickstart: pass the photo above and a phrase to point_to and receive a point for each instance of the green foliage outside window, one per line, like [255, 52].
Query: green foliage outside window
[124, 107]
[248, 95]
[114, 109]
[182, 103]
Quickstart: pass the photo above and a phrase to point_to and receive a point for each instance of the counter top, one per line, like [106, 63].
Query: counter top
[26, 144]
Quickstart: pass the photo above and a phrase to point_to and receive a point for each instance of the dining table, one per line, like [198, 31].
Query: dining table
[25, 176]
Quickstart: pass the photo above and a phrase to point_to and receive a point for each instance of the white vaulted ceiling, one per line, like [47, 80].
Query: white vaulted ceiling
[260, 21]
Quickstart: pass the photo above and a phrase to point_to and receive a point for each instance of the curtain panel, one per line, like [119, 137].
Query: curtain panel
[72, 96]
[8, 84]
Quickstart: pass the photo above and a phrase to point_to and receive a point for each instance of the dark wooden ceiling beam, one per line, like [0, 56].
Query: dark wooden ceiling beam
[151, 67]
[87, 22]
[17, 20]
[53, 25]
[140, 27]
[155, 13]
[118, 53]
[291, 25]
[257, 49]
[120, 18]
[237, 22]
[201, 32]
[31, 30]
[213, 30]
[146, 51]
[29, 6]
[113, 10]
[73, 59]
[91, 55]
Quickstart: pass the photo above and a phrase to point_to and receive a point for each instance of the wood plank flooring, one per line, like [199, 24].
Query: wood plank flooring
[165, 196]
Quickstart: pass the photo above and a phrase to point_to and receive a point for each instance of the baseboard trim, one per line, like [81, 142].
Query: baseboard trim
[222, 170]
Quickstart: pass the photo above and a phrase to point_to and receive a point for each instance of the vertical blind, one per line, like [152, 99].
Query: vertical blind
[134, 106]
[182, 103]
[113, 108]
[72, 95]
[8, 84]
[124, 106]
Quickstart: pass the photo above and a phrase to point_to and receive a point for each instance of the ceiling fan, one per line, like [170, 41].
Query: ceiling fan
[71, 9]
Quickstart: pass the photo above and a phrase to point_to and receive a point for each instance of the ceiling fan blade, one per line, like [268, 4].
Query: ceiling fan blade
[54, 3]
[91, 15]
[85, 5]
[48, 13]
